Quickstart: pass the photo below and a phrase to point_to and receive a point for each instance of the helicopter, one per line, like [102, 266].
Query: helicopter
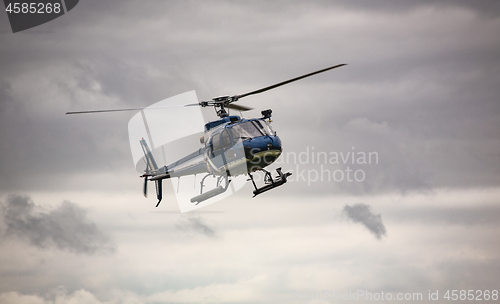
[231, 146]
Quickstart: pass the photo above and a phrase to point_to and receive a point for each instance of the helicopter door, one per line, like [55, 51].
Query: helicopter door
[216, 145]
[228, 145]
[217, 151]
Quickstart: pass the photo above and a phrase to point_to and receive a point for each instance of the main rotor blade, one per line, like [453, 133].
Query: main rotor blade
[238, 107]
[288, 81]
[131, 109]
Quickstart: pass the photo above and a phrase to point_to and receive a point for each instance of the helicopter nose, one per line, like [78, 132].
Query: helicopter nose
[261, 144]
[261, 151]
[274, 144]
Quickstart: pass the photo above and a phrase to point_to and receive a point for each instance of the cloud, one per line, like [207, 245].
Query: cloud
[361, 213]
[196, 225]
[59, 295]
[65, 227]
[416, 93]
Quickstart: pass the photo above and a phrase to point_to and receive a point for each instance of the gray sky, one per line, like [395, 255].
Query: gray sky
[421, 92]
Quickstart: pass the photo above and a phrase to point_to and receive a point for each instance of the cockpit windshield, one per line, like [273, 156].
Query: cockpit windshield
[251, 129]
[263, 125]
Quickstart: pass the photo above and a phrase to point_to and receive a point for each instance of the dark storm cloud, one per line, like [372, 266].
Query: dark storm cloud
[420, 88]
[197, 225]
[5, 97]
[361, 213]
[65, 227]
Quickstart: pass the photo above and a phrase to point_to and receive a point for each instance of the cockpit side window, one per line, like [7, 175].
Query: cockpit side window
[226, 139]
[216, 142]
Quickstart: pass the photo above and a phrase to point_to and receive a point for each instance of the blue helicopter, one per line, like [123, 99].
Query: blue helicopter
[232, 146]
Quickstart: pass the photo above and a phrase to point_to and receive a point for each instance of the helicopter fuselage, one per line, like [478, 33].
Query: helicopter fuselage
[241, 146]
[232, 146]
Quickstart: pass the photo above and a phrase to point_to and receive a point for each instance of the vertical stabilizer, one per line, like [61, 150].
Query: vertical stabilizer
[159, 191]
[150, 161]
[151, 166]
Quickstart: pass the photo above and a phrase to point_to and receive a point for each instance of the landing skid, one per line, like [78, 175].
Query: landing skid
[209, 194]
[270, 182]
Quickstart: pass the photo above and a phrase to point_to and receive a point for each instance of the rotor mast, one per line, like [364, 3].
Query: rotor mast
[220, 104]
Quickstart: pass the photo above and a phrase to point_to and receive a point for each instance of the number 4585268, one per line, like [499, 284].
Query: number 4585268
[471, 295]
[33, 8]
